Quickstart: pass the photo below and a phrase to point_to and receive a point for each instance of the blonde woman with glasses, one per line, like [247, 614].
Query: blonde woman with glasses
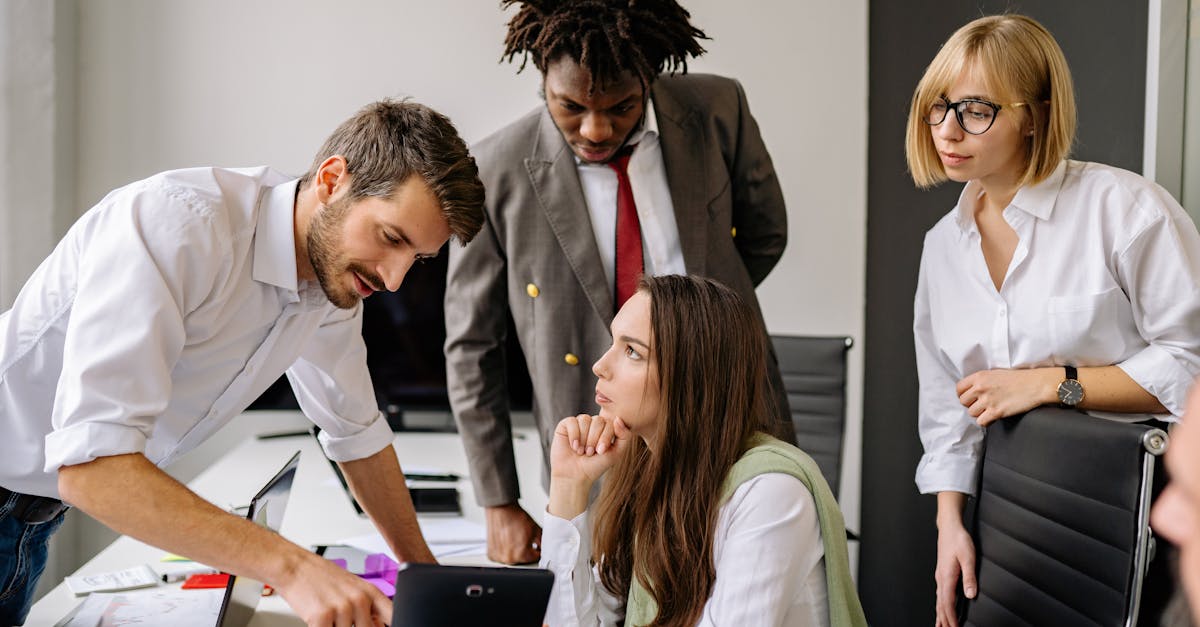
[1052, 281]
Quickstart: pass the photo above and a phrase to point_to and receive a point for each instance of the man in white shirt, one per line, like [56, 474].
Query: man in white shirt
[175, 301]
[622, 172]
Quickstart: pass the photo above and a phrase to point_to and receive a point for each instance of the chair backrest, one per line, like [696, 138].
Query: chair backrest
[1061, 525]
[814, 376]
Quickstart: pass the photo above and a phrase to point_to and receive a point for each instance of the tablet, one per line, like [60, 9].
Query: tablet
[433, 595]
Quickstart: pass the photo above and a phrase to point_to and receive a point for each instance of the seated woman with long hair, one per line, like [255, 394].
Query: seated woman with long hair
[704, 519]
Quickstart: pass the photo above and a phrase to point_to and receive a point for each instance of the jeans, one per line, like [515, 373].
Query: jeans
[22, 560]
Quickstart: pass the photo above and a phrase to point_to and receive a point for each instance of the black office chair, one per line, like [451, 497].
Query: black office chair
[814, 376]
[1061, 523]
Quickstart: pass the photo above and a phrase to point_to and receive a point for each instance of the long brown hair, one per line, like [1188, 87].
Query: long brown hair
[658, 509]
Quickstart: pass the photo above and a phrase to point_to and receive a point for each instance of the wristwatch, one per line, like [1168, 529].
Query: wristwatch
[1070, 391]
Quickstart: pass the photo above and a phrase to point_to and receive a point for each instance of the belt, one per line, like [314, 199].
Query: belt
[33, 510]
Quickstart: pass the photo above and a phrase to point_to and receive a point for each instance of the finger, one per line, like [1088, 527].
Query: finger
[594, 432]
[967, 563]
[383, 610]
[571, 425]
[964, 384]
[976, 409]
[621, 430]
[585, 424]
[606, 438]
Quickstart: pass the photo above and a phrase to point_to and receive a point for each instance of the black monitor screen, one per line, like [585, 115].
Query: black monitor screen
[405, 331]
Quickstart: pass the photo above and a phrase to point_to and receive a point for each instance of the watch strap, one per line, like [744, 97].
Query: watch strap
[1072, 373]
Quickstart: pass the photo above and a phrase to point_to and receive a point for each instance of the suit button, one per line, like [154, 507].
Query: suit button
[733, 232]
[571, 359]
[532, 290]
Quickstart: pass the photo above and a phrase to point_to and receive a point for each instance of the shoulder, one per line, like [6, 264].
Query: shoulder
[1126, 198]
[698, 87]
[510, 143]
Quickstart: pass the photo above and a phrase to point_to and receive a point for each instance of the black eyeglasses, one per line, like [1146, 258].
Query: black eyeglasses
[974, 116]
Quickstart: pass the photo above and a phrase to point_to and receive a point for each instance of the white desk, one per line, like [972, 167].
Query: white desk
[319, 511]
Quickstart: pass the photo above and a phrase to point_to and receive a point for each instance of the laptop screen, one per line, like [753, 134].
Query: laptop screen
[266, 509]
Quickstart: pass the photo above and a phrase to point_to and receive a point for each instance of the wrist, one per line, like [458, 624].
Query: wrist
[568, 497]
[1052, 377]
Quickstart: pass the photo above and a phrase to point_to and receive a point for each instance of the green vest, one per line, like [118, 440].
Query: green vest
[766, 454]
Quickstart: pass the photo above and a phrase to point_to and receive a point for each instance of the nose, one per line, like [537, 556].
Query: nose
[596, 127]
[949, 129]
[393, 272]
[600, 368]
[1169, 516]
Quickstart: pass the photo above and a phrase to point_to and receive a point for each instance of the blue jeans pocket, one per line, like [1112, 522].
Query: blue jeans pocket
[23, 549]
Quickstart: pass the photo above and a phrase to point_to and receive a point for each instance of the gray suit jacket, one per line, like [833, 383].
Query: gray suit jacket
[536, 255]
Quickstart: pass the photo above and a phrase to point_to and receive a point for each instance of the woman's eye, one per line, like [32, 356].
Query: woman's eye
[631, 353]
[390, 238]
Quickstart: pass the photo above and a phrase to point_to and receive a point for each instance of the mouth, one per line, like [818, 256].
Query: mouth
[952, 158]
[363, 288]
[602, 399]
[595, 154]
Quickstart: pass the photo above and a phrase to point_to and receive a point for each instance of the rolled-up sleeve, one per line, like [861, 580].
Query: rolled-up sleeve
[952, 440]
[334, 389]
[1160, 269]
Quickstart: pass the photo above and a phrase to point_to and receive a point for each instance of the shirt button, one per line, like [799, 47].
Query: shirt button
[571, 359]
[532, 290]
[733, 232]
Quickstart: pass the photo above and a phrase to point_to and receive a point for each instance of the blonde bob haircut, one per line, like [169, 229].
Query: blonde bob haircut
[1020, 64]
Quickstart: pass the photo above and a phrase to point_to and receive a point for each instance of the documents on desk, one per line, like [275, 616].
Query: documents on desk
[157, 606]
[451, 536]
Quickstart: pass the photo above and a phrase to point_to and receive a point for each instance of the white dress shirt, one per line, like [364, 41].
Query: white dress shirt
[661, 249]
[767, 552]
[164, 312]
[1106, 271]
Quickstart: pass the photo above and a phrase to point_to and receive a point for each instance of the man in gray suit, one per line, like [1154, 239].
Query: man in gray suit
[622, 172]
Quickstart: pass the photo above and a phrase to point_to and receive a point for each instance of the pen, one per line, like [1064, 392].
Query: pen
[180, 575]
[417, 476]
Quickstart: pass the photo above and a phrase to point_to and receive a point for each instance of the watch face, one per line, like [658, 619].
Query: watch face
[1070, 392]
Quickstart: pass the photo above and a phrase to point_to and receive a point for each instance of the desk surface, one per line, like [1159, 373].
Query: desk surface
[319, 511]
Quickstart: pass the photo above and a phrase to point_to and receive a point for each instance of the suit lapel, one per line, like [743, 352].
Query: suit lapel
[681, 136]
[555, 181]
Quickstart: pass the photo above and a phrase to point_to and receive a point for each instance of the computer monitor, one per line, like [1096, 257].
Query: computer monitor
[405, 332]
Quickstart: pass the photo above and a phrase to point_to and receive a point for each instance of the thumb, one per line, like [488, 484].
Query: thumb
[967, 562]
[623, 433]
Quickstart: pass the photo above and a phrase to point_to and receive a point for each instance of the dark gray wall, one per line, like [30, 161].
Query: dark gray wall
[1105, 45]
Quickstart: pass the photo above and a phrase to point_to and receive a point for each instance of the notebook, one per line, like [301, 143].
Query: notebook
[433, 595]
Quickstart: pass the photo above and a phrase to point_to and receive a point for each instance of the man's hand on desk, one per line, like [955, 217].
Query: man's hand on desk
[512, 535]
[322, 594]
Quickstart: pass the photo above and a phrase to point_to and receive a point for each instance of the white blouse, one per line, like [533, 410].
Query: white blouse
[767, 551]
[1106, 271]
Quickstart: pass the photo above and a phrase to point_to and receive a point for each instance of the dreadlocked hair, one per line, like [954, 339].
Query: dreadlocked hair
[607, 37]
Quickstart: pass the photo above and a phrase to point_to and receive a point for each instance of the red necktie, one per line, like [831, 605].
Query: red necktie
[628, 261]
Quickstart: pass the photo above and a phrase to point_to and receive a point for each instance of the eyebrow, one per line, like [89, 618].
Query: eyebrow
[634, 340]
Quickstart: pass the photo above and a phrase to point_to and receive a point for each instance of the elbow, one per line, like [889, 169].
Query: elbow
[72, 485]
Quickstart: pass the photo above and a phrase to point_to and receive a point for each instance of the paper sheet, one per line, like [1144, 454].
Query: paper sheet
[446, 537]
[159, 606]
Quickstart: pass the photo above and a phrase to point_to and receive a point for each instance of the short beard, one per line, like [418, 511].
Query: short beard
[322, 252]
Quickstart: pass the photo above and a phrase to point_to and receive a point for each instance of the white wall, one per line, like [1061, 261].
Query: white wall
[174, 83]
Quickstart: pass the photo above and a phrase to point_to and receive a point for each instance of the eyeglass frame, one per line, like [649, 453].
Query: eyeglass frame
[996, 108]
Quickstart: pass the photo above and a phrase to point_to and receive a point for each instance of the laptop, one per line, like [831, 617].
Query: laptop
[266, 509]
[169, 605]
[434, 595]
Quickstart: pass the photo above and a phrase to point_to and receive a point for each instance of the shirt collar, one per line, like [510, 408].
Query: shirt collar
[274, 237]
[1036, 200]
